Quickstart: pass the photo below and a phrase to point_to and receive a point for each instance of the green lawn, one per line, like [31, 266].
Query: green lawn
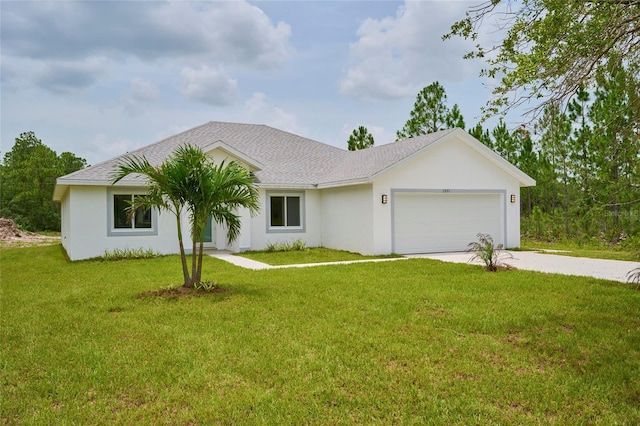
[411, 342]
[627, 252]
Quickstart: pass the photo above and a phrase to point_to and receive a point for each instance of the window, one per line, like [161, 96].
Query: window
[286, 212]
[143, 221]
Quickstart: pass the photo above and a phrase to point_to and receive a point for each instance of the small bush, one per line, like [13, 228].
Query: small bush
[633, 277]
[129, 253]
[205, 286]
[297, 245]
[490, 254]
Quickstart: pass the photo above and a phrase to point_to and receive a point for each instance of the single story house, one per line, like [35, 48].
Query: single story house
[431, 193]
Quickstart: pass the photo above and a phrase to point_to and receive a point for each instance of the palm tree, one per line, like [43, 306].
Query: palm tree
[165, 191]
[189, 180]
[219, 192]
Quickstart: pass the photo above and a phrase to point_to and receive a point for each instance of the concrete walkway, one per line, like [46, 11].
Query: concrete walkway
[255, 265]
[615, 270]
[238, 260]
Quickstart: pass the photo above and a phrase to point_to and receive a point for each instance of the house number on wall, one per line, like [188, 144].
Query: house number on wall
[446, 190]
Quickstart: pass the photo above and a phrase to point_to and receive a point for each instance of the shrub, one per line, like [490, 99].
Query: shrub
[205, 286]
[297, 245]
[491, 255]
[633, 277]
[129, 253]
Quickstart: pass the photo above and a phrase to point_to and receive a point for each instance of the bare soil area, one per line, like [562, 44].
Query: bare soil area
[179, 292]
[12, 236]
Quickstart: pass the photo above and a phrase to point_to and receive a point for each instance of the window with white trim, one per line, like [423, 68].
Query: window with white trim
[285, 212]
[120, 222]
[122, 219]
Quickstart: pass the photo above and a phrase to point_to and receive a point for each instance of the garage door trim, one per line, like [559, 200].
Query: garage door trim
[395, 191]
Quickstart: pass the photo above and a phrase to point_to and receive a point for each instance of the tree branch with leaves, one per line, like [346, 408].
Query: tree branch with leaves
[551, 48]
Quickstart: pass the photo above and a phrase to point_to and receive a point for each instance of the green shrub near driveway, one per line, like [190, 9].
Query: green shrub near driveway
[417, 341]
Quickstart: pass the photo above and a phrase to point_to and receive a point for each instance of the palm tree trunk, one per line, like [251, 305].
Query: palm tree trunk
[198, 278]
[194, 239]
[191, 282]
[183, 256]
[197, 274]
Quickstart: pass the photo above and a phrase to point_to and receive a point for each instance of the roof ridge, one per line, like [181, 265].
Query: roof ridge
[375, 163]
[301, 137]
[145, 147]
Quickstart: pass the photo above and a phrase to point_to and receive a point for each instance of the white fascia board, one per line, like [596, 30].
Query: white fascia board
[221, 145]
[62, 185]
[286, 186]
[349, 182]
[59, 191]
[100, 182]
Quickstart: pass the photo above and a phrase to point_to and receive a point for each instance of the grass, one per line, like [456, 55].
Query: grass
[308, 255]
[578, 249]
[412, 342]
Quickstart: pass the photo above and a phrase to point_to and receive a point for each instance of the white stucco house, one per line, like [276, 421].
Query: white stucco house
[431, 193]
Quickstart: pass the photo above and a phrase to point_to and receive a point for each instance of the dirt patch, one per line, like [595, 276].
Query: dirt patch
[12, 236]
[178, 292]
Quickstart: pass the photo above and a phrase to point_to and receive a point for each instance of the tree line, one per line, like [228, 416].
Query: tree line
[585, 157]
[28, 175]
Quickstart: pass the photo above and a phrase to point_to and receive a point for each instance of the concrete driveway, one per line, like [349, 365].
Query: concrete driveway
[615, 270]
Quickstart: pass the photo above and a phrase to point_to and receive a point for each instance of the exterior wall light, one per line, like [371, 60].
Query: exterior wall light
[513, 198]
[385, 199]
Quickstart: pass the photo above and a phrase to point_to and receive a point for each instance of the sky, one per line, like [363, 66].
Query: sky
[101, 78]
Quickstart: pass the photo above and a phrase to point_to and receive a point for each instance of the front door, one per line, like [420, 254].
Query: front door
[210, 233]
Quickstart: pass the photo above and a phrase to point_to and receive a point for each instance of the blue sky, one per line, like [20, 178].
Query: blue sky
[102, 78]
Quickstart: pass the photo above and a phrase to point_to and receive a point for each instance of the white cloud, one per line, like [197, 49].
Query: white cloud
[69, 76]
[142, 94]
[107, 147]
[234, 34]
[209, 85]
[259, 110]
[256, 103]
[236, 30]
[394, 57]
[142, 90]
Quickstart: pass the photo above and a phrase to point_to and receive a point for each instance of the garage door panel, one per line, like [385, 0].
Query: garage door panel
[427, 222]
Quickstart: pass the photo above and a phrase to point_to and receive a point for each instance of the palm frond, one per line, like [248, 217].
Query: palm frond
[633, 277]
[490, 254]
[189, 180]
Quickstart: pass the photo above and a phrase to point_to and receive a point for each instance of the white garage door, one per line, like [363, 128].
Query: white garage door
[437, 222]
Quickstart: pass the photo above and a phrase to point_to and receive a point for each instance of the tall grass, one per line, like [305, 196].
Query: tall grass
[411, 342]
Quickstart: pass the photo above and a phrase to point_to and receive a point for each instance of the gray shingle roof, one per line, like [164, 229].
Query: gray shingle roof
[365, 164]
[286, 159]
